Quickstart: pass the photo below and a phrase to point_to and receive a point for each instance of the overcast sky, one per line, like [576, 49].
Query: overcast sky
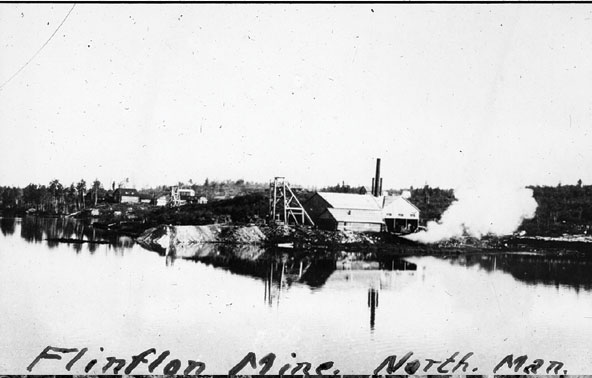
[445, 94]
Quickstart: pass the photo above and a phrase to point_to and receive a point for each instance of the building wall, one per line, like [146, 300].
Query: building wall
[401, 225]
[326, 224]
[315, 206]
[359, 227]
[129, 199]
[187, 192]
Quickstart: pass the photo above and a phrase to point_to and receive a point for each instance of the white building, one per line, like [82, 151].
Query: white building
[362, 212]
[399, 214]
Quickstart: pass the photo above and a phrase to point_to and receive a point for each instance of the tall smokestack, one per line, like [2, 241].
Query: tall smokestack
[380, 188]
[372, 186]
[377, 179]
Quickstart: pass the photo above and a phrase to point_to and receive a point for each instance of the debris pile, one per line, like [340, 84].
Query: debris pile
[564, 238]
[163, 236]
[486, 242]
[242, 235]
[304, 237]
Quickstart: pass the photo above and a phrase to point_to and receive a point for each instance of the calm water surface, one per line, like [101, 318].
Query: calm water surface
[126, 299]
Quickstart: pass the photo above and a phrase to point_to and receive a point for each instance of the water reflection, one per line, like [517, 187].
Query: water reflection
[534, 268]
[275, 280]
[280, 300]
[31, 229]
[7, 226]
[54, 231]
[372, 304]
[280, 269]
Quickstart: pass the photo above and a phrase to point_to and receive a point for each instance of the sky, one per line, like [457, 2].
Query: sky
[446, 95]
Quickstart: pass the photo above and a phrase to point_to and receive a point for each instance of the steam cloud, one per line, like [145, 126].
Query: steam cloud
[481, 211]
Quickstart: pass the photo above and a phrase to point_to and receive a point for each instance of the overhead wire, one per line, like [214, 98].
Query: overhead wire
[38, 51]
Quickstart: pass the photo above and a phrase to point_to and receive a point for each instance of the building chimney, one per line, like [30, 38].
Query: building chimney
[372, 190]
[380, 188]
[376, 179]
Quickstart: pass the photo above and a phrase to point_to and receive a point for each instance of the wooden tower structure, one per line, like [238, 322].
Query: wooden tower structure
[284, 206]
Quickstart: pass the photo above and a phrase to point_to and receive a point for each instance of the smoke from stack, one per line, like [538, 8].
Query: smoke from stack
[481, 211]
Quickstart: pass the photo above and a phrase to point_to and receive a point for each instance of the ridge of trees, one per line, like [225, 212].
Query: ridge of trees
[57, 198]
[561, 209]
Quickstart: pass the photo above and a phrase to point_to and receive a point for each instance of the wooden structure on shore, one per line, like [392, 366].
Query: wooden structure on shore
[284, 206]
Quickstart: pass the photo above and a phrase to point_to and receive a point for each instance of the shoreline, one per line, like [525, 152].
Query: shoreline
[315, 241]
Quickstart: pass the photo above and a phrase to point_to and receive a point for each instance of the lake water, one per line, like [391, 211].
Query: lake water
[126, 299]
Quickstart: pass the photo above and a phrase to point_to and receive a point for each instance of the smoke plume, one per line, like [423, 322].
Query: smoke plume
[481, 211]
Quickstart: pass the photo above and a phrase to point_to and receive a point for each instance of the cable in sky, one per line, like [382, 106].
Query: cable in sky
[38, 51]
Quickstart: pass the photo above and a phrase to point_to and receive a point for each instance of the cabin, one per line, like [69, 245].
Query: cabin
[162, 200]
[365, 190]
[186, 194]
[145, 198]
[202, 200]
[182, 196]
[126, 195]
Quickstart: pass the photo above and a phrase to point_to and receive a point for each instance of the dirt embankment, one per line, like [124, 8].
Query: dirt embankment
[163, 236]
[300, 237]
[251, 241]
[307, 237]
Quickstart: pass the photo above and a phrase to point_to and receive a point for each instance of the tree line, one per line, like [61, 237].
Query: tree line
[54, 198]
[57, 198]
[561, 208]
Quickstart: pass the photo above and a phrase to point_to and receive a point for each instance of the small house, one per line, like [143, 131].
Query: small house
[162, 200]
[186, 194]
[145, 198]
[182, 196]
[126, 195]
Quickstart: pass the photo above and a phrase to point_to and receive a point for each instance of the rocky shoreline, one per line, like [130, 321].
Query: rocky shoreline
[314, 241]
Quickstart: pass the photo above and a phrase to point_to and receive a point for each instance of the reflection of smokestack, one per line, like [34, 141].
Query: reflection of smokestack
[373, 304]
[377, 178]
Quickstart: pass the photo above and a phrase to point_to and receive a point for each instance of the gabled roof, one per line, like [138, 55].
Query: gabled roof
[353, 216]
[365, 190]
[400, 207]
[411, 203]
[351, 201]
[127, 192]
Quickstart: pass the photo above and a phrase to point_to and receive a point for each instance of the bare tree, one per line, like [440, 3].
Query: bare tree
[96, 186]
[81, 188]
